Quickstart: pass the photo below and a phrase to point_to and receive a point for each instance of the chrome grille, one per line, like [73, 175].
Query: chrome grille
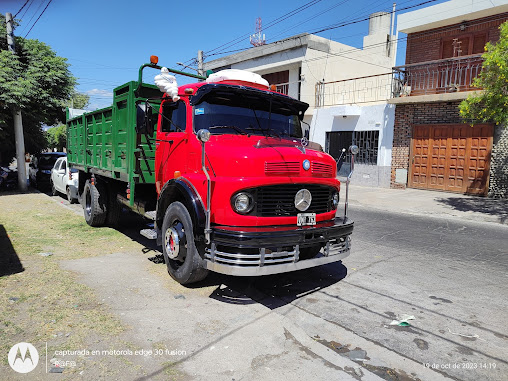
[279, 200]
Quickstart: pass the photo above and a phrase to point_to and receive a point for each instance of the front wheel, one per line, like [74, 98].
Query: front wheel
[181, 255]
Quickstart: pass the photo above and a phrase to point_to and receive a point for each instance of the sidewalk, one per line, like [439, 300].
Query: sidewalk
[424, 202]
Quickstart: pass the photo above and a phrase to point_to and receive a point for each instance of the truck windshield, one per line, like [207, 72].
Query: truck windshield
[238, 115]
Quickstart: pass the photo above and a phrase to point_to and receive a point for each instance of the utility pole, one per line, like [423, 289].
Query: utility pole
[16, 113]
[200, 63]
[391, 49]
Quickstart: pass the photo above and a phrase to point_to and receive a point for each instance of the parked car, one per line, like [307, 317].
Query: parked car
[64, 180]
[40, 169]
[8, 178]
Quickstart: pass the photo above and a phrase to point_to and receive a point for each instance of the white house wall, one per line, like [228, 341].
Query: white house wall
[379, 117]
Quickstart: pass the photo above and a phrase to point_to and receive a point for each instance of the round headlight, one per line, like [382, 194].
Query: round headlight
[242, 203]
[335, 200]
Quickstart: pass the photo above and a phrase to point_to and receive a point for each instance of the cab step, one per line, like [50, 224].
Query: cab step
[149, 233]
[151, 215]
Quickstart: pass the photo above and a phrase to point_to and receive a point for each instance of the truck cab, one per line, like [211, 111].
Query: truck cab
[267, 196]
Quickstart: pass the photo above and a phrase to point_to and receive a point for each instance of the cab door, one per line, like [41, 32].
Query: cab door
[63, 175]
[171, 143]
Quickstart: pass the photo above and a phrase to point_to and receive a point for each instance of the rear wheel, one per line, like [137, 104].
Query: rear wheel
[69, 196]
[94, 204]
[181, 255]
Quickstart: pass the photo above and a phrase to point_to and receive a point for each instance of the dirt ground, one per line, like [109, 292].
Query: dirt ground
[105, 308]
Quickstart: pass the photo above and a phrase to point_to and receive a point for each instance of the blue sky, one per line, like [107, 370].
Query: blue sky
[106, 41]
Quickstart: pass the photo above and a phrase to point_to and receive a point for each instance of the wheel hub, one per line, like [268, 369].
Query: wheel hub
[173, 242]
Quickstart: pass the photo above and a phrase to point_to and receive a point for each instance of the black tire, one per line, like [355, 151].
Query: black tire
[188, 266]
[94, 204]
[69, 196]
[309, 252]
[54, 192]
[114, 208]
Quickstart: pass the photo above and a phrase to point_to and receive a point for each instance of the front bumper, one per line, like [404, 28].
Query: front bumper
[270, 250]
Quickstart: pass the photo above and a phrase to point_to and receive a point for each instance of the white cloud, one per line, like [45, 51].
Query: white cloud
[99, 92]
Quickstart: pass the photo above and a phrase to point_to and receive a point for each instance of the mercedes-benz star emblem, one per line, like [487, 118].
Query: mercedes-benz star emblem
[304, 141]
[303, 199]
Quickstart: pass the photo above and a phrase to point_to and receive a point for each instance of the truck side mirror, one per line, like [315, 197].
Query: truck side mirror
[144, 119]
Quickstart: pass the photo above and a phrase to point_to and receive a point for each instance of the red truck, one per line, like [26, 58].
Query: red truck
[224, 169]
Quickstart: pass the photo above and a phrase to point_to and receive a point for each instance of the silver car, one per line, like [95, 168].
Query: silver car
[64, 180]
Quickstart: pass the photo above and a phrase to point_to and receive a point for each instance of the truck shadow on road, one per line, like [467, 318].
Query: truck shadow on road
[274, 291]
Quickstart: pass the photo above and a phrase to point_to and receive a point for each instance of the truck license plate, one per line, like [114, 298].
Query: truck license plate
[306, 219]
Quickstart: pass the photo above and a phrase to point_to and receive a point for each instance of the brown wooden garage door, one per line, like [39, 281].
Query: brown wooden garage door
[453, 158]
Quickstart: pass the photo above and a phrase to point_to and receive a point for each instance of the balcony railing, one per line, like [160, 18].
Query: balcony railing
[437, 77]
[372, 88]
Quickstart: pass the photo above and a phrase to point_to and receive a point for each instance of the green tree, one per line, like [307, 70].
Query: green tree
[491, 104]
[36, 81]
[57, 137]
[79, 100]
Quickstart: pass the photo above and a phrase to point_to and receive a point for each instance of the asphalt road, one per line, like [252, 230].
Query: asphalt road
[449, 274]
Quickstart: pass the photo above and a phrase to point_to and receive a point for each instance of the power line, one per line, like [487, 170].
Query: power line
[38, 18]
[26, 2]
[376, 45]
[270, 24]
[26, 10]
[333, 26]
[33, 15]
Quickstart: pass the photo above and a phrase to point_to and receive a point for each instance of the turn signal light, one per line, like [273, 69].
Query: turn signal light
[154, 60]
[273, 88]
[177, 174]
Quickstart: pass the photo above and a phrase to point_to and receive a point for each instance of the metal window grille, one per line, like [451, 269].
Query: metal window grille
[367, 142]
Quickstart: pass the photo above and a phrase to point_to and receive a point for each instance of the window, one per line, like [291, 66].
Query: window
[174, 117]
[57, 165]
[236, 115]
[280, 79]
[367, 142]
[463, 45]
[64, 165]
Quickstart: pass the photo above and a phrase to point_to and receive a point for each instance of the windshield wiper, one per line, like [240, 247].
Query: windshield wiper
[266, 131]
[239, 130]
[263, 130]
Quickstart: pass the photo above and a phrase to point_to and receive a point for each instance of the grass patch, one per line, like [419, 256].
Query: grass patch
[44, 303]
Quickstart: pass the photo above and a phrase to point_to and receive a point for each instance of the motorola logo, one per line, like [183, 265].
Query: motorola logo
[23, 357]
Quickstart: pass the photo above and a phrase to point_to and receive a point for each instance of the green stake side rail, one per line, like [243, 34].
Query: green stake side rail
[105, 141]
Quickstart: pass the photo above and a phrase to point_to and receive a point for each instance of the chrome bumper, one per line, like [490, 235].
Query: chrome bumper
[270, 251]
